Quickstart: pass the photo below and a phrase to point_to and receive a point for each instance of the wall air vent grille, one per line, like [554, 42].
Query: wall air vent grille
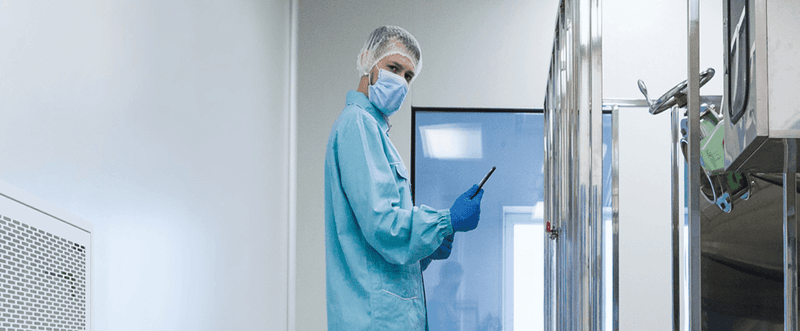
[42, 280]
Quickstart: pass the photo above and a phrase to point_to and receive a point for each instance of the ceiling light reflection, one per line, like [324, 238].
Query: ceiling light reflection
[452, 141]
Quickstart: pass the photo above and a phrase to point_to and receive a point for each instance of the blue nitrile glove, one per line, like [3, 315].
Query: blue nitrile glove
[465, 212]
[443, 252]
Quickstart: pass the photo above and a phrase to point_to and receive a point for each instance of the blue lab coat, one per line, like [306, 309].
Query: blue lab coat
[374, 236]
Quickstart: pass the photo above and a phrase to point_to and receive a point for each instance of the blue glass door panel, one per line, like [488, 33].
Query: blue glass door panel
[452, 151]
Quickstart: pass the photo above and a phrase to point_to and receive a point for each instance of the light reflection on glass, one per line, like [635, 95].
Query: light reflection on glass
[452, 141]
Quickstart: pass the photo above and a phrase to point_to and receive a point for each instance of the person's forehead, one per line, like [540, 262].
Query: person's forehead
[399, 59]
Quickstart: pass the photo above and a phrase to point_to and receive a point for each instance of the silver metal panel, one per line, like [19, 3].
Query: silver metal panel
[783, 50]
[742, 255]
[751, 234]
[758, 44]
[693, 97]
[768, 31]
[743, 136]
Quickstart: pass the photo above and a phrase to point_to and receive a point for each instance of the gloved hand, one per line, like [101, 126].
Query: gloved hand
[465, 212]
[443, 252]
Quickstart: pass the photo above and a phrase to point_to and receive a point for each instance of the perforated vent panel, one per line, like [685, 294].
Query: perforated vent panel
[42, 279]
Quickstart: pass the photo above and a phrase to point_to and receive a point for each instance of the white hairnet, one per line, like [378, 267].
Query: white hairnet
[388, 40]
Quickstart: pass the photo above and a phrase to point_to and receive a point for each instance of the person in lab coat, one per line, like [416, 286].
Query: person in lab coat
[377, 243]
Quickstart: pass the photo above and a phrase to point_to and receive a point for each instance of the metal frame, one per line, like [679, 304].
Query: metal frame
[676, 223]
[677, 300]
[615, 105]
[615, 208]
[596, 168]
[693, 96]
[573, 171]
[790, 320]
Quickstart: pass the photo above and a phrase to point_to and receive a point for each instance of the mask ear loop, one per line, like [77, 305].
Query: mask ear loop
[370, 75]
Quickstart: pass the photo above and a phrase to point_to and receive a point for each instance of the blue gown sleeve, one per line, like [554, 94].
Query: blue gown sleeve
[401, 236]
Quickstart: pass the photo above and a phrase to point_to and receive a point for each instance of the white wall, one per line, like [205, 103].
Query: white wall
[647, 40]
[484, 54]
[163, 123]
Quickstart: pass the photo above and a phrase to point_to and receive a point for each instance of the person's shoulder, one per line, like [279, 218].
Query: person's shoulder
[353, 113]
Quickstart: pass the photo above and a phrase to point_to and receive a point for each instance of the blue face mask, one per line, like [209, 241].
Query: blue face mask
[388, 92]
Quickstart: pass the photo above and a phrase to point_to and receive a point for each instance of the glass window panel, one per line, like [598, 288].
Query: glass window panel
[488, 277]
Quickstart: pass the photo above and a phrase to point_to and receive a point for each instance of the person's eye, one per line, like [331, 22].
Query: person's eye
[393, 69]
[409, 77]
